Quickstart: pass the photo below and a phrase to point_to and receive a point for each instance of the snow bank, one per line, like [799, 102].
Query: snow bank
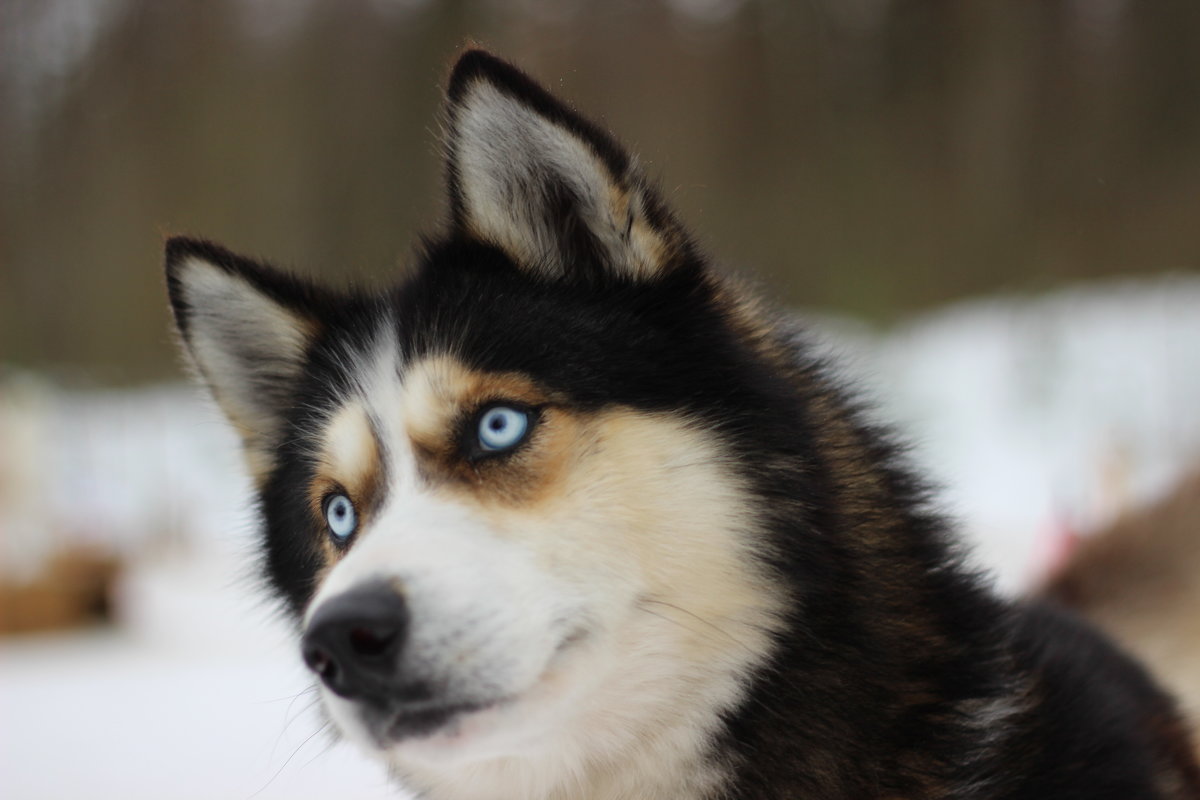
[1044, 415]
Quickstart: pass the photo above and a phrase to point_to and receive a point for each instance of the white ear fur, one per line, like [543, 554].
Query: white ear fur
[248, 347]
[528, 178]
[509, 157]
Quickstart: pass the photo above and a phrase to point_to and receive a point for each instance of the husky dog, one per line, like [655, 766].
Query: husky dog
[566, 515]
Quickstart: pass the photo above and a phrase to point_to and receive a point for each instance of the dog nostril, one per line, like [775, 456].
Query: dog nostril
[371, 642]
[320, 662]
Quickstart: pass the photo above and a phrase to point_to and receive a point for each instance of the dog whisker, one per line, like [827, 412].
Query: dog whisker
[324, 726]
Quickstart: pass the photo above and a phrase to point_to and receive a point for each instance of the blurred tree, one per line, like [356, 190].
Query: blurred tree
[873, 156]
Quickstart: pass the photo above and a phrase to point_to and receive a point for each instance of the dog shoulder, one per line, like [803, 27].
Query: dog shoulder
[1100, 722]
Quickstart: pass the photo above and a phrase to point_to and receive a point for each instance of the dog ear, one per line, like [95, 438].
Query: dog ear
[552, 190]
[247, 328]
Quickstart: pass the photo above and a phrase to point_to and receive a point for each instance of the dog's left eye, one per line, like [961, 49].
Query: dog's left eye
[340, 517]
[502, 428]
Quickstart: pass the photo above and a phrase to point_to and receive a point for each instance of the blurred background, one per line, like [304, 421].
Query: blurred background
[988, 211]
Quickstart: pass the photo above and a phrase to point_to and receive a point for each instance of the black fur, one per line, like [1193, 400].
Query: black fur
[900, 675]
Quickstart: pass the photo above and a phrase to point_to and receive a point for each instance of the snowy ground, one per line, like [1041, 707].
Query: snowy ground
[1036, 416]
[198, 697]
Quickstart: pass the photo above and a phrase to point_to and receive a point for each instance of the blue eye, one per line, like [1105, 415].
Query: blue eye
[502, 428]
[340, 517]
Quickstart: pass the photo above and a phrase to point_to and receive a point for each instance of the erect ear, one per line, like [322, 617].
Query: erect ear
[247, 328]
[548, 187]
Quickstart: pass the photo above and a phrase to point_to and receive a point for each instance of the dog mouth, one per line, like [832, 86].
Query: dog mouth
[420, 720]
[423, 716]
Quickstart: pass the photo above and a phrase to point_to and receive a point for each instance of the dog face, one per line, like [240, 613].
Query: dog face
[505, 500]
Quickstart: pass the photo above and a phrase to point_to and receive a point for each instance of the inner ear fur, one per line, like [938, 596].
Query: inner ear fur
[248, 328]
[551, 189]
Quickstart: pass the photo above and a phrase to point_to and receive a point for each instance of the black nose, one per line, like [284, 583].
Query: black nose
[354, 640]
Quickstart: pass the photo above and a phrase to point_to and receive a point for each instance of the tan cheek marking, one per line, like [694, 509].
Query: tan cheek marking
[534, 474]
[648, 497]
[681, 521]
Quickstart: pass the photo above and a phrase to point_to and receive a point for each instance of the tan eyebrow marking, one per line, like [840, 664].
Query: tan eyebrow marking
[348, 457]
[440, 391]
[351, 452]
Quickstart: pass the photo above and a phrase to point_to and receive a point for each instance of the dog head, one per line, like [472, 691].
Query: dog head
[505, 500]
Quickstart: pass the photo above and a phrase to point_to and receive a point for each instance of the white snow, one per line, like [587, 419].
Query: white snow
[1044, 414]
[1034, 415]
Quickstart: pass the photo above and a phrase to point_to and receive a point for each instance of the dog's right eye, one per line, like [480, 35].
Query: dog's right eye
[340, 517]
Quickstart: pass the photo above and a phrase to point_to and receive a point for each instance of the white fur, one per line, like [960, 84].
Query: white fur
[494, 593]
[244, 343]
